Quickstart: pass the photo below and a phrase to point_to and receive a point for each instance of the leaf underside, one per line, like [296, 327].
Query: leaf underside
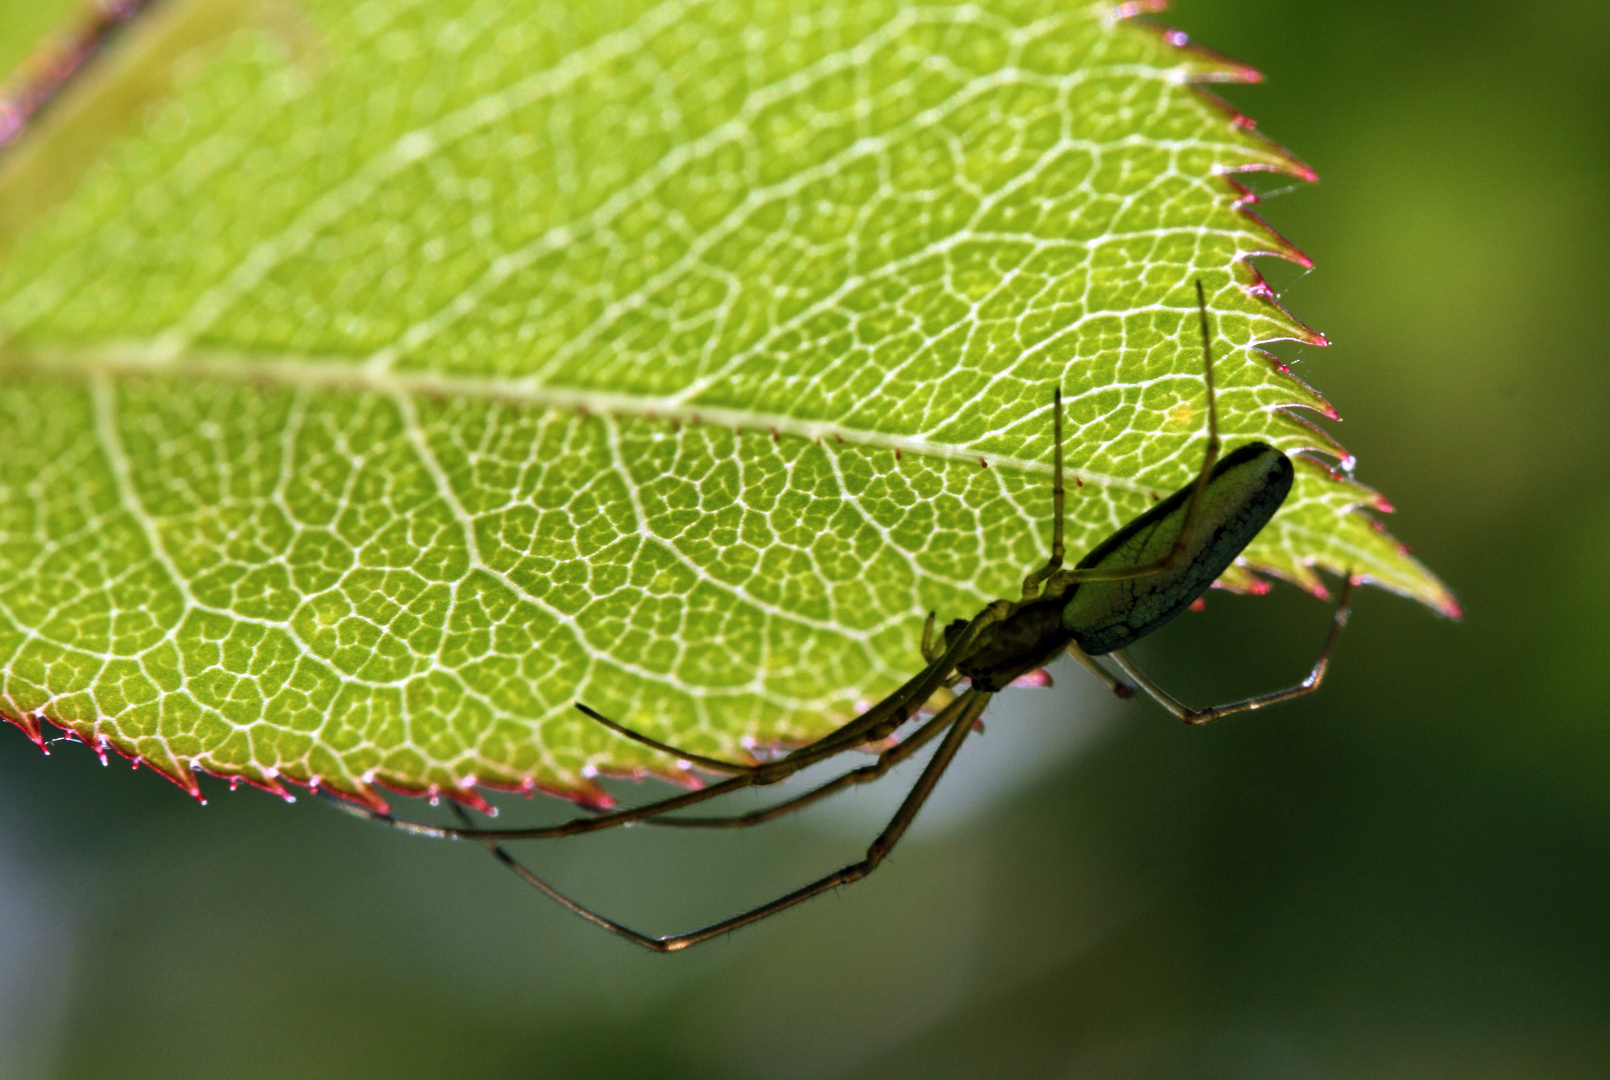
[404, 372]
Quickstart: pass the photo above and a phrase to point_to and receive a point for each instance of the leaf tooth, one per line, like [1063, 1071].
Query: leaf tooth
[331, 772]
[1254, 286]
[1240, 579]
[1357, 494]
[1131, 8]
[160, 761]
[28, 724]
[1280, 246]
[1200, 63]
[1319, 441]
[366, 795]
[1300, 574]
[1308, 397]
[269, 784]
[350, 789]
[1263, 154]
[590, 795]
[464, 794]
[584, 791]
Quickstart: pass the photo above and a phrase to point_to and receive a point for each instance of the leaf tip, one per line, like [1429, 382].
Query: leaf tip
[1437, 597]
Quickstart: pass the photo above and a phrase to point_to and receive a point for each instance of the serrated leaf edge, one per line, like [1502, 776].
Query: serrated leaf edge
[1203, 66]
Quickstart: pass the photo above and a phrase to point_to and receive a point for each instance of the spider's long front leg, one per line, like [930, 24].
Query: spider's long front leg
[876, 723]
[866, 774]
[773, 772]
[882, 720]
[573, 827]
[713, 764]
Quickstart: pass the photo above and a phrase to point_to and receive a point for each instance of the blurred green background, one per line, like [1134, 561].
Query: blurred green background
[1405, 876]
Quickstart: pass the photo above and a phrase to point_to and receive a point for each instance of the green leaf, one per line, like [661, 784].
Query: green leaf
[403, 372]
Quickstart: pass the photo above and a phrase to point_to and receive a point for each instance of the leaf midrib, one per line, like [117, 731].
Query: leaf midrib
[341, 375]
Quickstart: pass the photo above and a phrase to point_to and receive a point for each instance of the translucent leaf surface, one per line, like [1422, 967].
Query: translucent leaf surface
[403, 372]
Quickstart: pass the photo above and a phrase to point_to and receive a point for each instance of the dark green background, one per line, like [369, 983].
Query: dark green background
[1407, 876]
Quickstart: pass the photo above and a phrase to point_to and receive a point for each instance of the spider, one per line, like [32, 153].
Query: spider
[1129, 585]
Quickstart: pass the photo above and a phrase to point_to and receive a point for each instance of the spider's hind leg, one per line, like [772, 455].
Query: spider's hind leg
[1202, 716]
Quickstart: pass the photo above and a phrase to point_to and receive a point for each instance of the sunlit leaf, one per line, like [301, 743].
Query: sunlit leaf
[398, 373]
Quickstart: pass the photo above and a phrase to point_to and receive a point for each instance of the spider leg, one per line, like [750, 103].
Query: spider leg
[1032, 583]
[866, 774]
[573, 827]
[960, 728]
[1108, 679]
[501, 854]
[768, 773]
[1210, 457]
[930, 650]
[713, 764]
[886, 716]
[878, 722]
[1202, 716]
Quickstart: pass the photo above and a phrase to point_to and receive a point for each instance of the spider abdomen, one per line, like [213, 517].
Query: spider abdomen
[1243, 492]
